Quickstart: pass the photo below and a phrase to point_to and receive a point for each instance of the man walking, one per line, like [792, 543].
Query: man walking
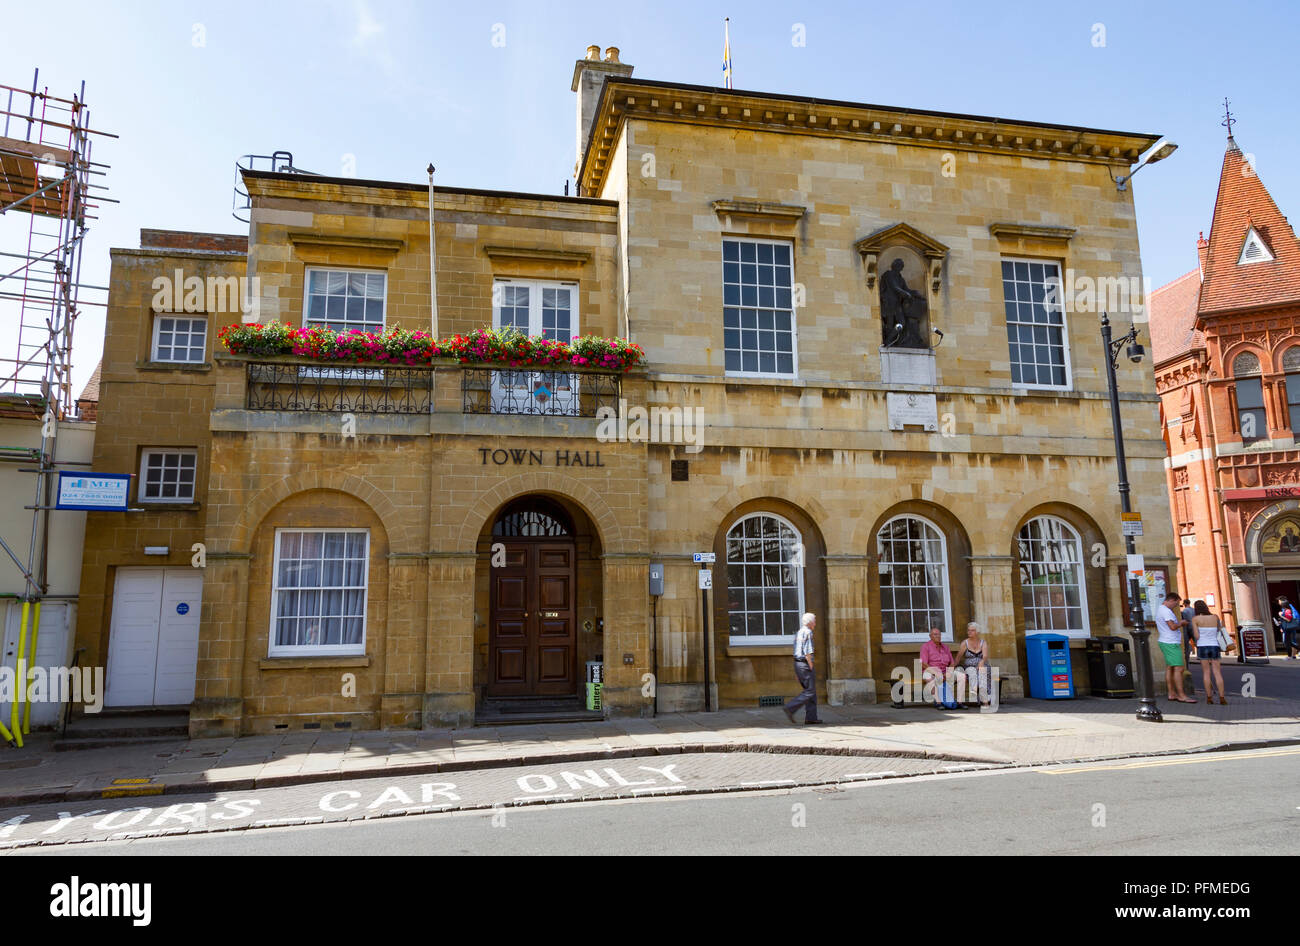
[803, 671]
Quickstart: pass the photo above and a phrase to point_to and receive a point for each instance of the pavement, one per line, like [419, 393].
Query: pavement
[1026, 732]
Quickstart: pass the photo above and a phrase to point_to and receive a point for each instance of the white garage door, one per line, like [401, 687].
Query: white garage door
[153, 642]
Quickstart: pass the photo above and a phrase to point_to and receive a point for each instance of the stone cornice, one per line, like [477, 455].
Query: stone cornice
[781, 213]
[1031, 231]
[622, 99]
[574, 257]
[347, 242]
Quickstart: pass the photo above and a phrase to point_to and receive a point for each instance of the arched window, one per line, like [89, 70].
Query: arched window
[764, 579]
[1291, 365]
[1251, 422]
[1051, 578]
[1245, 365]
[532, 518]
[913, 580]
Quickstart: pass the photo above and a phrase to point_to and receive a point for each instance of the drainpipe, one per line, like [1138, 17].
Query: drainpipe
[433, 264]
[1218, 543]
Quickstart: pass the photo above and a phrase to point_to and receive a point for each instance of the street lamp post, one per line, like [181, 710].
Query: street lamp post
[1147, 708]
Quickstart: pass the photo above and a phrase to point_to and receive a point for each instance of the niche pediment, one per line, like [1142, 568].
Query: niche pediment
[901, 234]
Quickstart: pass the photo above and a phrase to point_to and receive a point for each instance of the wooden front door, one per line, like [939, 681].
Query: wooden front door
[532, 647]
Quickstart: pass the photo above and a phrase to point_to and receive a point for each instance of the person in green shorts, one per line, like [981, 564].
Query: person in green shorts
[1169, 634]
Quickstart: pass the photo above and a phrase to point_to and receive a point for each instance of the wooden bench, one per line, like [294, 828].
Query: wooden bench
[912, 695]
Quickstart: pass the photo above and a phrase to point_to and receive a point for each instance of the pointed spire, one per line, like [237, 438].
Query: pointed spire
[1253, 257]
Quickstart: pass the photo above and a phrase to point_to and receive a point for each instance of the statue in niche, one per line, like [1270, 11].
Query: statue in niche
[903, 310]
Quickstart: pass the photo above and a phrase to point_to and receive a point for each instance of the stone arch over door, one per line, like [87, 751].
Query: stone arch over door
[615, 537]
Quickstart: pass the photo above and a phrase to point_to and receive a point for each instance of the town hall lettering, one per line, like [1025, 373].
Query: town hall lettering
[518, 457]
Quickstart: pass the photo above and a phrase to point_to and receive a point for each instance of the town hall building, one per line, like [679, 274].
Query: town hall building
[870, 405]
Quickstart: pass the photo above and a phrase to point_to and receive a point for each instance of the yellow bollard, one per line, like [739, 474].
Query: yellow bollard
[27, 695]
[20, 678]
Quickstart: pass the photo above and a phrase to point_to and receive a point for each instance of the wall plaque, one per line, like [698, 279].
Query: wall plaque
[913, 410]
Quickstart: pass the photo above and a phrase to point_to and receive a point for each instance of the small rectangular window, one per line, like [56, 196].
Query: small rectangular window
[345, 299]
[180, 339]
[1293, 401]
[167, 476]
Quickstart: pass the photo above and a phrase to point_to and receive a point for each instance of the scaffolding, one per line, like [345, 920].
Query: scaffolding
[47, 174]
[48, 195]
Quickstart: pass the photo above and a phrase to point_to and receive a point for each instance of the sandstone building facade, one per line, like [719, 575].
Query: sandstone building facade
[1226, 347]
[416, 547]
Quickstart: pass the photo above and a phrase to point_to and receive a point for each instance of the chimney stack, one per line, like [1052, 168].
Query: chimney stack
[589, 75]
[1202, 247]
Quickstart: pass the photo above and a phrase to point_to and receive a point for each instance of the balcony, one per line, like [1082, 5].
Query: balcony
[298, 385]
[569, 393]
[275, 386]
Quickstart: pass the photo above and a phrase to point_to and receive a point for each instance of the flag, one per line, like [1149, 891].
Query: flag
[726, 52]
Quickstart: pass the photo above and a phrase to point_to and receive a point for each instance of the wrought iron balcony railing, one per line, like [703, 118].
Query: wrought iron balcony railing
[545, 392]
[295, 387]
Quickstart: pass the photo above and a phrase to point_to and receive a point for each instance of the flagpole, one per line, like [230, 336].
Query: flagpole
[726, 50]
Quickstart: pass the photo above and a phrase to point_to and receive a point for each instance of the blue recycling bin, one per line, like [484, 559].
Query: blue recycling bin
[1048, 656]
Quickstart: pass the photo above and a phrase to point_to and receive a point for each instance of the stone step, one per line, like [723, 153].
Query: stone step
[121, 728]
[111, 742]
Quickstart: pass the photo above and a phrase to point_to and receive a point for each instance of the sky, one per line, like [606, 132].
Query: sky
[381, 89]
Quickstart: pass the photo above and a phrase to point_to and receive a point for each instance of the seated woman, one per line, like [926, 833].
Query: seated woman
[973, 659]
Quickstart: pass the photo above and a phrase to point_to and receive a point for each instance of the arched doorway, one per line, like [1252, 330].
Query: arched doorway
[532, 614]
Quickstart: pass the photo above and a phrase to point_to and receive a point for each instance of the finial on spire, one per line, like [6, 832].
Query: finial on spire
[1228, 120]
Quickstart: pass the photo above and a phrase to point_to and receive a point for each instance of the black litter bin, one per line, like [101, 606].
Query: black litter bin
[1110, 668]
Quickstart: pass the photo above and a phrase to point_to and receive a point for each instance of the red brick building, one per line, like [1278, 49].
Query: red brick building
[1225, 340]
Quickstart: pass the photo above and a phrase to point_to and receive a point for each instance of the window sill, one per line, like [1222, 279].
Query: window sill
[144, 505]
[322, 662]
[1042, 388]
[761, 650]
[182, 366]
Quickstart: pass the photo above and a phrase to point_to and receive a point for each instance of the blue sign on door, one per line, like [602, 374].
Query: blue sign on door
[182, 608]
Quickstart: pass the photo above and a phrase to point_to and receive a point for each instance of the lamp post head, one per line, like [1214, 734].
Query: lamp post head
[1163, 149]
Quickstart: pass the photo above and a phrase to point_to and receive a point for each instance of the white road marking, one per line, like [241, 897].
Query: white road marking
[660, 790]
[870, 774]
[772, 781]
[290, 821]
